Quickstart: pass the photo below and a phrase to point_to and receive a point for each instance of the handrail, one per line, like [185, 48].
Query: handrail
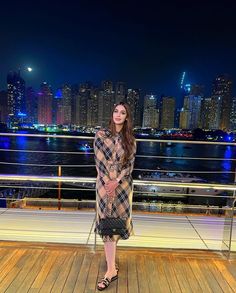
[67, 179]
[135, 169]
[138, 156]
[45, 152]
[137, 139]
[135, 191]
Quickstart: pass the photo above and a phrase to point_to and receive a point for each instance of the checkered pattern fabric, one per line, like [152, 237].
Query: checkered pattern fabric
[108, 158]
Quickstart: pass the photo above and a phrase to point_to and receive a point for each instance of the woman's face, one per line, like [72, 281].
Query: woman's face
[119, 115]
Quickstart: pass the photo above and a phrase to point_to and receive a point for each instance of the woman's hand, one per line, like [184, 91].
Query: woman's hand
[110, 187]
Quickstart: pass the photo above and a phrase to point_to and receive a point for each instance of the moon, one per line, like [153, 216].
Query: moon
[29, 69]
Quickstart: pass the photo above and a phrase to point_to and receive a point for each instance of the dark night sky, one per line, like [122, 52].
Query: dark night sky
[146, 43]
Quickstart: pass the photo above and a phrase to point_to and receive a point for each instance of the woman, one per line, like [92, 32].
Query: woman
[115, 150]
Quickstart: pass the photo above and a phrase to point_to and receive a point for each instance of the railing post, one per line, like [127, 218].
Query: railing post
[228, 224]
[59, 188]
[231, 229]
[232, 219]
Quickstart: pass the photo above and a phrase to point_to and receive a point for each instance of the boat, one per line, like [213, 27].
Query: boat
[85, 147]
[171, 176]
[170, 145]
[174, 177]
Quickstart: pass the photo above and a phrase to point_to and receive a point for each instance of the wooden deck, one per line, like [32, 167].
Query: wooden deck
[38, 267]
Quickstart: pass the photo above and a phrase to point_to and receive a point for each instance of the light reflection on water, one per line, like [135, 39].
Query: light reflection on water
[5, 142]
[227, 155]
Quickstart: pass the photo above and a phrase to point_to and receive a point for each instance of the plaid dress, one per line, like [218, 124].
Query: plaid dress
[108, 158]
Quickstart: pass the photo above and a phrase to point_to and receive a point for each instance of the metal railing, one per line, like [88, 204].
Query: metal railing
[14, 181]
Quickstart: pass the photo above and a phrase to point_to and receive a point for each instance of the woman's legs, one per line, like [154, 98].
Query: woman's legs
[110, 253]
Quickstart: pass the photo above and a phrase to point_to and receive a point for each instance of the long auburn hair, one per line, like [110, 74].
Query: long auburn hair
[127, 136]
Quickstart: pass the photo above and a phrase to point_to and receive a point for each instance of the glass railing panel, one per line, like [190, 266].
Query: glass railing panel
[157, 224]
[207, 208]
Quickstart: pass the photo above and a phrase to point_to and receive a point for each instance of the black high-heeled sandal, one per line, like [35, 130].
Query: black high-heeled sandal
[106, 282]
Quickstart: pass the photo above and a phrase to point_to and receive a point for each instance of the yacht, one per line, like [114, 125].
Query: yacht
[175, 190]
[171, 176]
[85, 147]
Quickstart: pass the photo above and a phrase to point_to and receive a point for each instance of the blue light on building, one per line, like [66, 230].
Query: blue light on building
[22, 115]
[187, 88]
[58, 94]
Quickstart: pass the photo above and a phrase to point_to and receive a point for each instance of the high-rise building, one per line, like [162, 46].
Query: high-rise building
[184, 118]
[58, 110]
[196, 90]
[222, 91]
[3, 107]
[150, 112]
[196, 102]
[134, 101]
[107, 86]
[66, 103]
[82, 103]
[92, 119]
[233, 115]
[206, 110]
[15, 97]
[185, 91]
[45, 102]
[167, 112]
[106, 101]
[62, 102]
[74, 95]
[182, 115]
[120, 92]
[31, 104]
[215, 112]
[193, 104]
[190, 116]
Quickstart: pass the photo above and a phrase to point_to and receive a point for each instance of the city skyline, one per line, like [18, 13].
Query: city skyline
[89, 105]
[148, 45]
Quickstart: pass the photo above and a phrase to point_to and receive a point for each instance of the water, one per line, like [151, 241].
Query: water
[144, 148]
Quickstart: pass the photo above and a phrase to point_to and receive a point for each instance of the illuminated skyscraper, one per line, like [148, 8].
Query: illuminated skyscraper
[74, 95]
[206, 110]
[215, 112]
[184, 118]
[45, 99]
[167, 112]
[185, 91]
[150, 113]
[133, 99]
[58, 110]
[233, 115]
[107, 86]
[120, 92]
[31, 105]
[222, 91]
[82, 103]
[92, 119]
[3, 106]
[190, 116]
[66, 103]
[15, 96]
[195, 101]
[106, 101]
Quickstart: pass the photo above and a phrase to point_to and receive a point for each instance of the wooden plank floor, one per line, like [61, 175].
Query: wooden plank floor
[38, 267]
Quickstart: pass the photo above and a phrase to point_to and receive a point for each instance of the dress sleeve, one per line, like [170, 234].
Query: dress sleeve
[100, 159]
[127, 170]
